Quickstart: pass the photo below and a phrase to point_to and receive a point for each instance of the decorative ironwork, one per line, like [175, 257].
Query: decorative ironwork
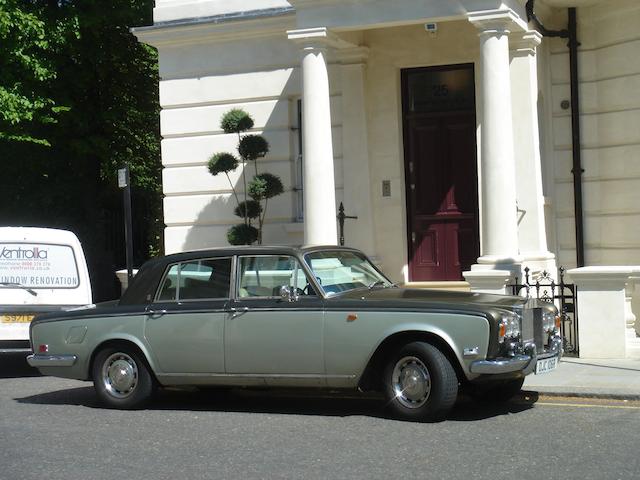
[341, 217]
[562, 294]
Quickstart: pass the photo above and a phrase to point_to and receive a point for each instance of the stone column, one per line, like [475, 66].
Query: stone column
[532, 234]
[499, 227]
[319, 183]
[499, 215]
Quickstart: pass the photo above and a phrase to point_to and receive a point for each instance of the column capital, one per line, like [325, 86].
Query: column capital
[499, 21]
[525, 43]
[317, 37]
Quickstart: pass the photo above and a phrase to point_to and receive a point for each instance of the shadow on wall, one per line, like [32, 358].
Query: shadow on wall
[209, 228]
[206, 232]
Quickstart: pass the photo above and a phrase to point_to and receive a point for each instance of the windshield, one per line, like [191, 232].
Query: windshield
[339, 271]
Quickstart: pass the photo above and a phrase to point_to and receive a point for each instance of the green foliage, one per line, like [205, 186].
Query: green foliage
[260, 189]
[265, 185]
[30, 40]
[252, 147]
[222, 163]
[73, 77]
[248, 209]
[242, 234]
[236, 121]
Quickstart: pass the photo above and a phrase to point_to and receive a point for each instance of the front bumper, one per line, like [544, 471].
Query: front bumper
[525, 363]
[51, 360]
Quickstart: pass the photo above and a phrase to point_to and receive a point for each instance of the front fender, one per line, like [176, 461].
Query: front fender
[475, 337]
[351, 346]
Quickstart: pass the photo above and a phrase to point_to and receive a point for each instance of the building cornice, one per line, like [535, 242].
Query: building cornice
[225, 27]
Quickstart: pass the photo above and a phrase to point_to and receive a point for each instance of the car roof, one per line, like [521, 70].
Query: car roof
[247, 250]
[148, 276]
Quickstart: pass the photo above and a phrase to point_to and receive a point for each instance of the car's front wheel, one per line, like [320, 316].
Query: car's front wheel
[420, 383]
[121, 378]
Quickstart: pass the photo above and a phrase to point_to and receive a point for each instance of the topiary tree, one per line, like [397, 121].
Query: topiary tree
[258, 191]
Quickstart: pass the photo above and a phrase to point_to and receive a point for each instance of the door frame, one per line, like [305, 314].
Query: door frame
[405, 147]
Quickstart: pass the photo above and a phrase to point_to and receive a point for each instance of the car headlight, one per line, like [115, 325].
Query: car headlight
[509, 326]
[550, 320]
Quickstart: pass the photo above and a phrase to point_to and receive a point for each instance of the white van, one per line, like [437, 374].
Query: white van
[41, 270]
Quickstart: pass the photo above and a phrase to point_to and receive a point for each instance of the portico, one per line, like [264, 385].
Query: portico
[500, 58]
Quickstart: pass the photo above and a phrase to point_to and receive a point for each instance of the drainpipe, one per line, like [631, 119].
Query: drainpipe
[571, 33]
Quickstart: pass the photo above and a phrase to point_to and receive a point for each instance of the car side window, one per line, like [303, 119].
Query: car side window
[265, 275]
[197, 280]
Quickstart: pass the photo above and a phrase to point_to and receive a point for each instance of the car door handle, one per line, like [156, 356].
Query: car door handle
[156, 313]
[236, 312]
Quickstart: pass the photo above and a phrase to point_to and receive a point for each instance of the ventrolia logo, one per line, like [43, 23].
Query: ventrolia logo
[32, 253]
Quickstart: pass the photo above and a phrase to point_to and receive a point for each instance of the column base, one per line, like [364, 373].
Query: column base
[488, 281]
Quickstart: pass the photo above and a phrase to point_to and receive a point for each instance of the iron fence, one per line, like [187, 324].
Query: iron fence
[560, 293]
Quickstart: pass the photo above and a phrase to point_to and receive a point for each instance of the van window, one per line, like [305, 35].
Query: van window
[38, 265]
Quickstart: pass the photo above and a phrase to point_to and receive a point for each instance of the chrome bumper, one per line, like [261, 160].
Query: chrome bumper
[525, 363]
[51, 360]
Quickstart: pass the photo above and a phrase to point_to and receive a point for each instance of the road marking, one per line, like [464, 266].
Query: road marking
[587, 405]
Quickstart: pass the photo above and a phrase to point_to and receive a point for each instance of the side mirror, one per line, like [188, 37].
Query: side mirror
[288, 294]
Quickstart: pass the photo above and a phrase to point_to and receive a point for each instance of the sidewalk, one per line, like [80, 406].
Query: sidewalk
[589, 377]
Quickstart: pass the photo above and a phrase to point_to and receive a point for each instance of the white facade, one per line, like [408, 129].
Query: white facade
[344, 60]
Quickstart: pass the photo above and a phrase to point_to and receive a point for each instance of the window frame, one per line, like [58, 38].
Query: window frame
[238, 276]
[178, 300]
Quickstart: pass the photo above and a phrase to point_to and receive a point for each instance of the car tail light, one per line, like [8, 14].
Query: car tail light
[43, 348]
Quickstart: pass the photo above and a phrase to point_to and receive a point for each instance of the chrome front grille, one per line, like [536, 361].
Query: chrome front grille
[532, 328]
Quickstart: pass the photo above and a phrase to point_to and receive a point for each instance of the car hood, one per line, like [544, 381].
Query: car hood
[417, 298]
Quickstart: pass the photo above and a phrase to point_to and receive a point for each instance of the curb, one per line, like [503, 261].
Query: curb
[554, 392]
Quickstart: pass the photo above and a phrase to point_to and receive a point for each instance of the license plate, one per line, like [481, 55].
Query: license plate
[9, 318]
[546, 365]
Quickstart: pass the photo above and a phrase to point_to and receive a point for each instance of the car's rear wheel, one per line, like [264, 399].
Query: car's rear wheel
[420, 383]
[121, 378]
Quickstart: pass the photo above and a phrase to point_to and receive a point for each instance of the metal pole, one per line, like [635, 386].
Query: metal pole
[341, 216]
[128, 224]
[575, 129]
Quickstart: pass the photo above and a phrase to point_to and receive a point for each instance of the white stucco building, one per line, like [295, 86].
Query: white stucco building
[443, 125]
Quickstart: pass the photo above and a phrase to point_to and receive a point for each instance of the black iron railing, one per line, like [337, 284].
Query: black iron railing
[562, 294]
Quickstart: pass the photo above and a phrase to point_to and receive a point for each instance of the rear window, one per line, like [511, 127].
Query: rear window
[38, 265]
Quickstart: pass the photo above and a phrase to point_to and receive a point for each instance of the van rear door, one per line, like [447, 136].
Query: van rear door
[41, 270]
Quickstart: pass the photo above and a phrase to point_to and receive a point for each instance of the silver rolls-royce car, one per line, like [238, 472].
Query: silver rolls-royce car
[321, 317]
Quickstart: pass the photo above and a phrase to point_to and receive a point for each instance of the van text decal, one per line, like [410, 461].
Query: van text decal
[19, 253]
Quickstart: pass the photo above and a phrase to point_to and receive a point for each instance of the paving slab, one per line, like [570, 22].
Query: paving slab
[616, 378]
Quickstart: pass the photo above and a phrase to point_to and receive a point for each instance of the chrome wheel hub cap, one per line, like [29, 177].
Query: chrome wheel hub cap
[120, 375]
[411, 382]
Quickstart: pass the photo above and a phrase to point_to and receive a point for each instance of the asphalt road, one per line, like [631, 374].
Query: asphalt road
[55, 429]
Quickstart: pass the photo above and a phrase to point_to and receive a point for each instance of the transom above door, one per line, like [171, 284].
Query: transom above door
[439, 126]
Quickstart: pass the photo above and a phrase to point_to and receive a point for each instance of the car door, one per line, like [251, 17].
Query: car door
[269, 336]
[184, 326]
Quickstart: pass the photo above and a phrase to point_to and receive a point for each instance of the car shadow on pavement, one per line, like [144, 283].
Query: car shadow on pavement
[81, 396]
[282, 402]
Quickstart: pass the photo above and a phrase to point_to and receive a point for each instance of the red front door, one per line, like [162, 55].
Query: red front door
[441, 172]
